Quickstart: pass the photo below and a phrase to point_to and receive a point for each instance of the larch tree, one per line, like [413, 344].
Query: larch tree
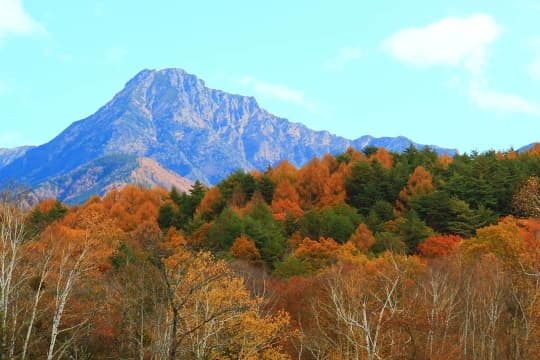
[420, 182]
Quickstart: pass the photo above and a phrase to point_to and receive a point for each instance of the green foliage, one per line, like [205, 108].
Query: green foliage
[378, 215]
[411, 230]
[289, 267]
[238, 181]
[123, 256]
[387, 241]
[180, 211]
[39, 220]
[227, 227]
[368, 184]
[450, 215]
[266, 187]
[267, 234]
[166, 216]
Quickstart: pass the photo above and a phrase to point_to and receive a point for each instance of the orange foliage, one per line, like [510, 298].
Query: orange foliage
[354, 155]
[286, 200]
[334, 189]
[445, 160]
[244, 248]
[198, 236]
[209, 202]
[420, 183]
[383, 157]
[293, 295]
[503, 240]
[46, 205]
[295, 240]
[312, 179]
[329, 162]
[326, 251]
[439, 245]
[535, 150]
[283, 170]
[512, 155]
[362, 238]
[530, 231]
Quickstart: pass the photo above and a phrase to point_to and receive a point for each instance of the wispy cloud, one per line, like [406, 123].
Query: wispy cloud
[502, 102]
[15, 21]
[278, 92]
[461, 43]
[346, 55]
[451, 41]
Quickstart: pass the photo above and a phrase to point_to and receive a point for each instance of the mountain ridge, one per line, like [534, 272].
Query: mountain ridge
[171, 117]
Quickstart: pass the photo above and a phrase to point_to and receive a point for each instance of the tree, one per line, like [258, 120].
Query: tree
[410, 229]
[12, 235]
[266, 187]
[383, 157]
[368, 184]
[211, 204]
[334, 190]
[420, 183]
[362, 238]
[244, 248]
[439, 245]
[286, 201]
[312, 179]
[361, 313]
[526, 201]
[212, 315]
[227, 227]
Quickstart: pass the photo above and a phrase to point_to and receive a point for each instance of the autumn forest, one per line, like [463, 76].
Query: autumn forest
[363, 255]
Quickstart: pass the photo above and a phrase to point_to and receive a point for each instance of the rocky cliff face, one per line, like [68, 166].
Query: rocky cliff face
[109, 172]
[170, 116]
[7, 156]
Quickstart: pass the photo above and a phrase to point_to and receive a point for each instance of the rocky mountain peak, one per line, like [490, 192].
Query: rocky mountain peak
[171, 117]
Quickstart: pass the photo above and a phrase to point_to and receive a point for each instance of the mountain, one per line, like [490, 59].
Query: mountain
[7, 156]
[527, 147]
[170, 116]
[107, 173]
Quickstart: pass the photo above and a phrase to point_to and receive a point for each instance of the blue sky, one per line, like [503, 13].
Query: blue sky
[461, 73]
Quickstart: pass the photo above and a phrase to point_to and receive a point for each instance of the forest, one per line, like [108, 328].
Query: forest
[363, 255]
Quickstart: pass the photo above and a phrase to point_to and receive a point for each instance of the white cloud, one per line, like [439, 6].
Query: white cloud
[345, 56]
[462, 43]
[279, 92]
[503, 102]
[450, 41]
[15, 21]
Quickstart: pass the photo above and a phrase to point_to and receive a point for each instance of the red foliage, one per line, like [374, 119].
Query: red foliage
[439, 245]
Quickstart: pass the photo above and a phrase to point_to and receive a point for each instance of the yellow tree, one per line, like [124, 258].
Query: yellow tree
[213, 316]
